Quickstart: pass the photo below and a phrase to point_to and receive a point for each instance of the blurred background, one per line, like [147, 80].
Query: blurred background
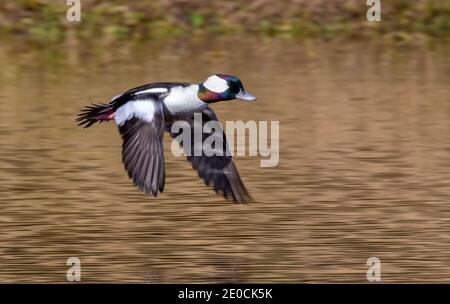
[364, 117]
[44, 20]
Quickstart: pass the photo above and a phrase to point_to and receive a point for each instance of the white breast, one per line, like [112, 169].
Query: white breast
[183, 101]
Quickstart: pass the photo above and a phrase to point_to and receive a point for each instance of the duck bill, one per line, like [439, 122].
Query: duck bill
[244, 95]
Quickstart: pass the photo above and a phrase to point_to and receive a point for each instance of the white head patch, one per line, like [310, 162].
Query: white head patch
[216, 84]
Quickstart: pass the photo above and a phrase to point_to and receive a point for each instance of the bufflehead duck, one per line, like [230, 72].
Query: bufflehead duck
[142, 114]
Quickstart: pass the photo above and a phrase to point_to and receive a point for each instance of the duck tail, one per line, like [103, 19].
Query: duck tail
[95, 113]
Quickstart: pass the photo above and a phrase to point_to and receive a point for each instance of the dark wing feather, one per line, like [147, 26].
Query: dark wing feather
[217, 171]
[142, 152]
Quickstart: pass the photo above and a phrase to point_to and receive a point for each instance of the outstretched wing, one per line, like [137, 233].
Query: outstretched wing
[142, 149]
[218, 171]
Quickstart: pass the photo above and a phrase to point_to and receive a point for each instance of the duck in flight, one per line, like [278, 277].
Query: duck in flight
[144, 113]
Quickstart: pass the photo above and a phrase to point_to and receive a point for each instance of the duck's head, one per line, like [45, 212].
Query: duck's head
[221, 87]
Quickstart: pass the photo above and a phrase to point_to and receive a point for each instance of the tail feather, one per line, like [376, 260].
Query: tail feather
[94, 113]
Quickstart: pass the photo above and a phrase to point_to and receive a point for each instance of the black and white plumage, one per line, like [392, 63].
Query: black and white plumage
[144, 113]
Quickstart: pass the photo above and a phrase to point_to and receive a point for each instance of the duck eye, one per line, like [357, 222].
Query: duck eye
[229, 83]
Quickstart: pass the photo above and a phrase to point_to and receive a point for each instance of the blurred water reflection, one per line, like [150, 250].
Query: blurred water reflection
[364, 155]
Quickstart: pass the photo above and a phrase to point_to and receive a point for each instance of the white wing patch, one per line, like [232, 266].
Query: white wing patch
[216, 84]
[142, 109]
[153, 90]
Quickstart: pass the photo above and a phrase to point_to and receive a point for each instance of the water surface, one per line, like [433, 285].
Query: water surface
[364, 155]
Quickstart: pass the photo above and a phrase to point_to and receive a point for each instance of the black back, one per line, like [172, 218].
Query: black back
[120, 100]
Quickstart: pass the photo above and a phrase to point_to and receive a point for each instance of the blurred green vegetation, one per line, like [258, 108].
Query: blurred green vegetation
[45, 20]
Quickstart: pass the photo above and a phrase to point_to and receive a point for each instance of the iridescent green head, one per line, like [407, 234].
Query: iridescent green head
[221, 87]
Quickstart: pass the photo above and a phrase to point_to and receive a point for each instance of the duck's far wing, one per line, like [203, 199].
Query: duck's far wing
[218, 171]
[142, 149]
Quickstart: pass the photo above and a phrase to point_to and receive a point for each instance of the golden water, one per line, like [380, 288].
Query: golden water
[364, 166]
